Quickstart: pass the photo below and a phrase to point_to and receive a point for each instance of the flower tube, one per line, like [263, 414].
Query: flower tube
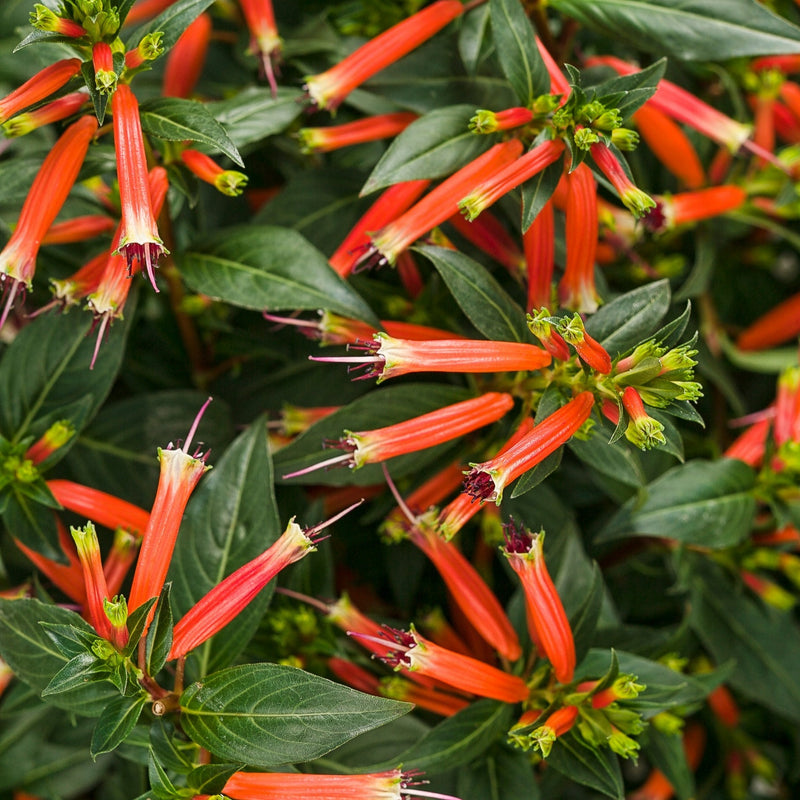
[368, 129]
[42, 85]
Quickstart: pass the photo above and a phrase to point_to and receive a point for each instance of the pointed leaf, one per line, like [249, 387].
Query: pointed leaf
[627, 93]
[176, 120]
[691, 29]
[597, 769]
[536, 191]
[487, 305]
[116, 722]
[210, 778]
[434, 145]
[231, 519]
[159, 634]
[267, 714]
[515, 44]
[703, 503]
[83, 669]
[137, 621]
[269, 269]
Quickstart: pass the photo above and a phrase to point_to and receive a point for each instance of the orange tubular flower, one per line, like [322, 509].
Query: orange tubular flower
[46, 20]
[487, 480]
[687, 207]
[69, 291]
[439, 205]
[786, 427]
[390, 785]
[47, 194]
[501, 181]
[539, 245]
[557, 724]
[144, 9]
[227, 181]
[780, 324]
[488, 234]
[589, 349]
[100, 507]
[545, 612]
[51, 441]
[55, 111]
[643, 431]
[329, 89]
[751, 445]
[393, 202]
[724, 706]
[40, 86]
[180, 473]
[469, 590]
[229, 598]
[491, 121]
[264, 40]
[78, 229]
[186, 59]
[369, 129]
[387, 357]
[633, 198]
[120, 558]
[670, 145]
[418, 433]
[558, 83]
[576, 288]
[105, 79]
[139, 240]
[353, 675]
[426, 697]
[412, 651]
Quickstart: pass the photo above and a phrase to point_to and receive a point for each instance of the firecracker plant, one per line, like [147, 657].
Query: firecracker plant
[558, 556]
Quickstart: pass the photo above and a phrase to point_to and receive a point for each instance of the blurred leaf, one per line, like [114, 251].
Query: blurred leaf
[266, 714]
[515, 45]
[177, 120]
[665, 752]
[486, 304]
[267, 268]
[692, 29]
[231, 519]
[472, 36]
[435, 145]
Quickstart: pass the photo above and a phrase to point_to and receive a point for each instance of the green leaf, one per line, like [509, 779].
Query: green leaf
[515, 44]
[584, 621]
[116, 722]
[45, 375]
[82, 669]
[210, 778]
[471, 37]
[434, 145]
[231, 519]
[702, 502]
[253, 114]
[172, 22]
[501, 775]
[170, 748]
[176, 120]
[630, 318]
[30, 652]
[536, 191]
[159, 634]
[487, 305]
[71, 641]
[137, 620]
[689, 30]
[618, 460]
[32, 524]
[627, 93]
[533, 477]
[665, 752]
[459, 739]
[596, 768]
[267, 714]
[269, 269]
[396, 404]
[763, 641]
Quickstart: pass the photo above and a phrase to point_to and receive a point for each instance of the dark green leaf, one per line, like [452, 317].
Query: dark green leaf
[159, 634]
[34, 525]
[80, 670]
[266, 714]
[459, 739]
[116, 722]
[36, 37]
[254, 114]
[472, 36]
[434, 145]
[704, 503]
[487, 305]
[598, 769]
[763, 641]
[170, 748]
[502, 775]
[210, 778]
[533, 477]
[137, 621]
[172, 22]
[692, 29]
[629, 319]
[397, 403]
[515, 44]
[231, 519]
[627, 93]
[269, 269]
[618, 460]
[665, 752]
[537, 191]
[584, 621]
[28, 649]
[671, 334]
[175, 120]
[71, 641]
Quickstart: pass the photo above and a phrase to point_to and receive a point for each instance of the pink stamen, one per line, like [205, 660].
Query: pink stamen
[196, 422]
[342, 459]
[100, 336]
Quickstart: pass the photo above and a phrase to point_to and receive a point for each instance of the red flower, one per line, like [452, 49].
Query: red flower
[488, 234]
[589, 349]
[418, 433]
[388, 357]
[105, 79]
[778, 325]
[687, 207]
[54, 111]
[180, 473]
[41, 85]
[186, 59]
[78, 229]
[51, 441]
[547, 619]
[539, 245]
[643, 431]
[491, 121]
[44, 19]
[227, 181]
[633, 198]
[542, 738]
[139, 240]
[47, 194]
[368, 129]
[329, 89]
[487, 480]
[264, 40]
[100, 507]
